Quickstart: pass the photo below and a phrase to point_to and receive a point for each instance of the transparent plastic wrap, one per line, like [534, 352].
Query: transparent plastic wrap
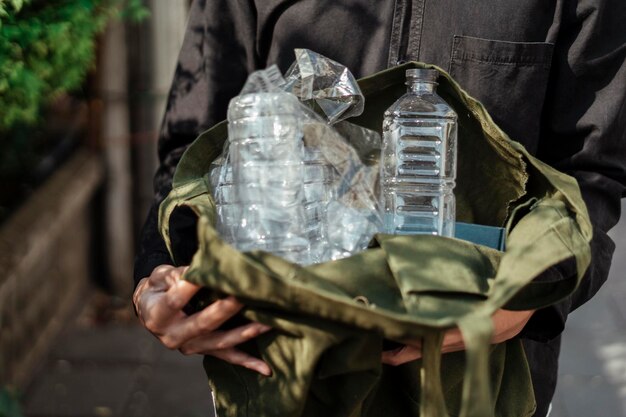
[324, 85]
[288, 182]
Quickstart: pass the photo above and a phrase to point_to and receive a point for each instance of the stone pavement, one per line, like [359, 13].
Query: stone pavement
[592, 375]
[105, 365]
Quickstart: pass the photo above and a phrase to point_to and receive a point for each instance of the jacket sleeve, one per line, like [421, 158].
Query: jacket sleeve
[584, 135]
[217, 54]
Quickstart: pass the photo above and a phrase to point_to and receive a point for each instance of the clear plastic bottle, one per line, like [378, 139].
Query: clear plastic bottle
[418, 160]
[266, 153]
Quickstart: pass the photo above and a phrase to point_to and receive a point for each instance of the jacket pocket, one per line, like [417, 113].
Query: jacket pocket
[509, 78]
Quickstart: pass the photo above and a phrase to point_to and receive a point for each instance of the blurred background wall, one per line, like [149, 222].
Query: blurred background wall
[75, 172]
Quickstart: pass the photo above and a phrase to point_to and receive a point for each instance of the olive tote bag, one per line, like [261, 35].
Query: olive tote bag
[331, 321]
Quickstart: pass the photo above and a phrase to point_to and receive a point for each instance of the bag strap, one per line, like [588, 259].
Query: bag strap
[193, 194]
[477, 330]
[476, 401]
[432, 401]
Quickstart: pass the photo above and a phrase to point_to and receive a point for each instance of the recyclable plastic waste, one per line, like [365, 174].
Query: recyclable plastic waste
[418, 160]
[288, 182]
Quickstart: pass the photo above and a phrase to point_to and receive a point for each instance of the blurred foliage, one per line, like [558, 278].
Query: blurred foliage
[9, 404]
[30, 154]
[47, 48]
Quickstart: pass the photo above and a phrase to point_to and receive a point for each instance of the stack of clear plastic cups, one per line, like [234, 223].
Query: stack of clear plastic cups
[266, 154]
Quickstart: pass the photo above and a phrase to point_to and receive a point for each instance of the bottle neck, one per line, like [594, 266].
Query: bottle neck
[421, 86]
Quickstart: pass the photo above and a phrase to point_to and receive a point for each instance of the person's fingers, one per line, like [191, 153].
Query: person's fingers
[164, 309]
[146, 299]
[203, 322]
[237, 357]
[141, 287]
[179, 294]
[174, 275]
[160, 278]
[160, 298]
[401, 355]
[219, 340]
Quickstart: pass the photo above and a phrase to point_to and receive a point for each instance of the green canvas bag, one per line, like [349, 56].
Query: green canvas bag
[331, 320]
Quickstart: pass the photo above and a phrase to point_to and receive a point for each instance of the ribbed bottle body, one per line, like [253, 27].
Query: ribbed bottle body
[418, 163]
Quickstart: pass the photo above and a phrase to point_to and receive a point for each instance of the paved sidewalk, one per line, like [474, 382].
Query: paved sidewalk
[105, 365]
[592, 375]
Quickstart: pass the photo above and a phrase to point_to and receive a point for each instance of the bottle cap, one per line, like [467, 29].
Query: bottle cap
[424, 74]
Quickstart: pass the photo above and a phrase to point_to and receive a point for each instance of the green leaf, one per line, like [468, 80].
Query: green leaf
[17, 4]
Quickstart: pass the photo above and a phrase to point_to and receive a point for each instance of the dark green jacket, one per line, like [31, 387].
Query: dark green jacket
[331, 319]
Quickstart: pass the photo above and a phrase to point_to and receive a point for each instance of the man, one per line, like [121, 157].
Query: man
[551, 73]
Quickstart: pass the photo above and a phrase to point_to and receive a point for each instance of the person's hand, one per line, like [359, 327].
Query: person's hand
[507, 324]
[159, 300]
